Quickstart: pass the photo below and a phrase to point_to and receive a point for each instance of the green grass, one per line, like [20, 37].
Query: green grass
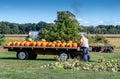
[11, 68]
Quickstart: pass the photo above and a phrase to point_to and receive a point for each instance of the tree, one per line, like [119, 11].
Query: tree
[65, 28]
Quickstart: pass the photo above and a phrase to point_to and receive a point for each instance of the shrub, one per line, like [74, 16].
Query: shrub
[98, 39]
[1, 39]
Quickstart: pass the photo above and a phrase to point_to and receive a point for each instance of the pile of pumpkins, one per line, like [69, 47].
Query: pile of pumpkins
[43, 43]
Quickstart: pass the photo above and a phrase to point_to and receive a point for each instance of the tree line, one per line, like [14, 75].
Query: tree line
[101, 29]
[15, 28]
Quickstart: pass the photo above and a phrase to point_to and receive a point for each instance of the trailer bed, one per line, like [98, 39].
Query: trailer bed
[31, 52]
[40, 47]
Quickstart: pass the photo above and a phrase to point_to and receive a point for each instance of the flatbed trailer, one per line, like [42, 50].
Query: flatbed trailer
[102, 48]
[31, 52]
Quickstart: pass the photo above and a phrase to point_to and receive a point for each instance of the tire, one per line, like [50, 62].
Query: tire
[22, 55]
[64, 56]
[110, 50]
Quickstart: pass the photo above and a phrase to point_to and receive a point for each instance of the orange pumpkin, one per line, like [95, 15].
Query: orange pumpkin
[30, 40]
[74, 45]
[22, 43]
[13, 43]
[58, 41]
[54, 42]
[38, 43]
[27, 44]
[70, 41]
[9, 43]
[43, 40]
[63, 44]
[44, 44]
[33, 43]
[57, 44]
[49, 44]
[69, 45]
[17, 43]
[52, 45]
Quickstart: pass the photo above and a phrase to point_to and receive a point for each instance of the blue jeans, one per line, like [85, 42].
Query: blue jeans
[85, 54]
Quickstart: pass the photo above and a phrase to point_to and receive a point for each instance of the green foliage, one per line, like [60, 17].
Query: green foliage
[97, 39]
[43, 34]
[64, 29]
[14, 28]
[1, 39]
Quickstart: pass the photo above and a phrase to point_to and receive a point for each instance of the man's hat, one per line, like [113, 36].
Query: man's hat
[81, 34]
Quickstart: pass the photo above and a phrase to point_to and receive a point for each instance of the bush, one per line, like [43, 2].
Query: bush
[1, 39]
[97, 39]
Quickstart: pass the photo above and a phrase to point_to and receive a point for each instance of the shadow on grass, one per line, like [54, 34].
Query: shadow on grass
[42, 59]
[9, 58]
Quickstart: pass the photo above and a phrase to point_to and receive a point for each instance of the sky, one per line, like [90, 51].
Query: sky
[87, 12]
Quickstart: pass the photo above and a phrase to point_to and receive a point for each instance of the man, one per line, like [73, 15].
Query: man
[27, 37]
[85, 46]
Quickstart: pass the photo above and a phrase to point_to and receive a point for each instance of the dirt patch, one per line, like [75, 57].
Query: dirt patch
[2, 49]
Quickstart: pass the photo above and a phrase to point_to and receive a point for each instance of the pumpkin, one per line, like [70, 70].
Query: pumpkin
[49, 44]
[63, 44]
[44, 44]
[30, 40]
[70, 41]
[27, 43]
[38, 43]
[74, 45]
[54, 42]
[69, 45]
[57, 44]
[13, 43]
[17, 43]
[33, 43]
[43, 40]
[52, 45]
[22, 43]
[9, 43]
[58, 41]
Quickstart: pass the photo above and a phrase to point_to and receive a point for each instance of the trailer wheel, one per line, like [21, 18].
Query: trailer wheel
[22, 55]
[64, 56]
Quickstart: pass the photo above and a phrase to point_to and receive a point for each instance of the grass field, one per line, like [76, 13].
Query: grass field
[11, 68]
[114, 41]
